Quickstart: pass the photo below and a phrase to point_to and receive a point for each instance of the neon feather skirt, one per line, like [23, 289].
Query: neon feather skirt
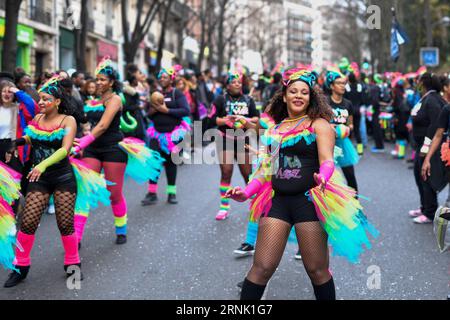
[91, 187]
[9, 184]
[168, 140]
[7, 235]
[349, 155]
[342, 218]
[9, 192]
[143, 163]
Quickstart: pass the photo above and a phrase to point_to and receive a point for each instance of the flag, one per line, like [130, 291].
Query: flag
[398, 38]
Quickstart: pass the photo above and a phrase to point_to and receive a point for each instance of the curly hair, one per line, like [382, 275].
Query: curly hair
[318, 105]
[57, 89]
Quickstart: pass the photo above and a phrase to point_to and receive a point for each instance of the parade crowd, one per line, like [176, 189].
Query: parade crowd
[68, 139]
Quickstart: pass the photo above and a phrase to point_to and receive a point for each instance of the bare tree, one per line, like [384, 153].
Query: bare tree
[162, 37]
[205, 13]
[230, 27]
[81, 36]
[141, 28]
[12, 8]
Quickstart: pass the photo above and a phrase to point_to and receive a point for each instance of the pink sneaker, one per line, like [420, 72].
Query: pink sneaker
[222, 215]
[422, 220]
[415, 213]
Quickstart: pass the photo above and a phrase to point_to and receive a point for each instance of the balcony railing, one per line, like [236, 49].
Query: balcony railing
[40, 15]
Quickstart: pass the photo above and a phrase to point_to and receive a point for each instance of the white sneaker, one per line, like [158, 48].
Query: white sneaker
[222, 215]
[422, 220]
[186, 156]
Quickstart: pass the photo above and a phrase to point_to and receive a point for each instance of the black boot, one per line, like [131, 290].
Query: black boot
[121, 239]
[150, 198]
[252, 291]
[15, 277]
[77, 267]
[325, 291]
[172, 199]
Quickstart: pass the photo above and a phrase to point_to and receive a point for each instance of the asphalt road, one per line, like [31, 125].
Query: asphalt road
[182, 252]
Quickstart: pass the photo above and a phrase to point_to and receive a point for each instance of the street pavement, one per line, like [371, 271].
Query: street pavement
[182, 252]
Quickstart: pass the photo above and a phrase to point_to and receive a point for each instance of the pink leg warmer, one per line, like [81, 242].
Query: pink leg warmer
[70, 244]
[120, 209]
[80, 222]
[25, 242]
[152, 188]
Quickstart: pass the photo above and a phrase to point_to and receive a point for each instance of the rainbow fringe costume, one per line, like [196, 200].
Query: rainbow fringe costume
[337, 208]
[167, 141]
[143, 163]
[94, 106]
[9, 192]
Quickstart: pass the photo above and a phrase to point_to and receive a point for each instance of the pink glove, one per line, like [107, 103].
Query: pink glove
[325, 172]
[252, 188]
[84, 142]
[230, 124]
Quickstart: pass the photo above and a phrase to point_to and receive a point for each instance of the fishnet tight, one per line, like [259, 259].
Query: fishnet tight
[35, 204]
[272, 237]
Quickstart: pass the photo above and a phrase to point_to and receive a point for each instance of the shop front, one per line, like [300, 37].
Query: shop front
[25, 37]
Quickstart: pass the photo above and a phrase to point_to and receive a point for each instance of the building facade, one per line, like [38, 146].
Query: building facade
[36, 34]
[47, 35]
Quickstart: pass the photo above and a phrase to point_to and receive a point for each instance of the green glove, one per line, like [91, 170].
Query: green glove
[59, 155]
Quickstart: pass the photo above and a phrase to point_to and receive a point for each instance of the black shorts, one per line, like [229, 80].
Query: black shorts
[235, 145]
[111, 153]
[293, 209]
[58, 180]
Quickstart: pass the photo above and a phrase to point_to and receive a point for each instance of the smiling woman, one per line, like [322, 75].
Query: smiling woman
[51, 133]
[299, 140]
[288, 190]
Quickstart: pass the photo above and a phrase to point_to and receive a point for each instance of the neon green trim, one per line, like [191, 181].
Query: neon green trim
[120, 222]
[171, 189]
[80, 213]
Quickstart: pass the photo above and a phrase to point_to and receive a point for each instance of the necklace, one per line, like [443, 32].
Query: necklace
[104, 100]
[290, 121]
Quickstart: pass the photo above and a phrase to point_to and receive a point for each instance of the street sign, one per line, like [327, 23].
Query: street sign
[429, 57]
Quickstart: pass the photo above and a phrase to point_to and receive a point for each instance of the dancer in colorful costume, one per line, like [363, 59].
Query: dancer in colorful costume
[51, 134]
[106, 149]
[342, 121]
[170, 122]
[299, 156]
[233, 110]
